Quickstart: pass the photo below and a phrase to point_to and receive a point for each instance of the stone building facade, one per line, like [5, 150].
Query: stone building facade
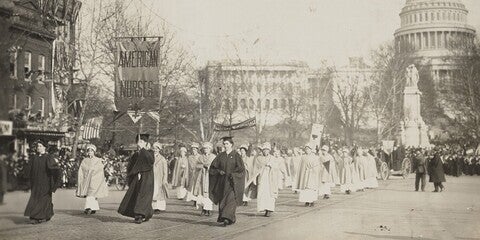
[269, 92]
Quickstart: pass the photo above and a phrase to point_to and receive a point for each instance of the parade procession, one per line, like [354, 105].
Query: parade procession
[321, 119]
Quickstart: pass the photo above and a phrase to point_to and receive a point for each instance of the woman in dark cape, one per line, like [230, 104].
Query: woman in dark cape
[44, 173]
[137, 202]
[436, 173]
[226, 182]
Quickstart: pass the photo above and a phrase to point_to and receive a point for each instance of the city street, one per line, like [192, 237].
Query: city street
[393, 211]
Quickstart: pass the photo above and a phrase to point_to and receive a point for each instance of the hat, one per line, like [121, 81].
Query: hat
[142, 136]
[41, 142]
[183, 149]
[227, 138]
[266, 146]
[157, 145]
[244, 146]
[207, 145]
[325, 148]
[91, 146]
[195, 145]
[310, 145]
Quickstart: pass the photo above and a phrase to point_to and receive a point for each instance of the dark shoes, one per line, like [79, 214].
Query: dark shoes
[348, 192]
[245, 203]
[38, 221]
[89, 211]
[268, 213]
[140, 219]
[225, 223]
[307, 204]
[326, 196]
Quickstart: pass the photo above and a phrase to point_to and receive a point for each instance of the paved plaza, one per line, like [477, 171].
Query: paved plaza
[393, 211]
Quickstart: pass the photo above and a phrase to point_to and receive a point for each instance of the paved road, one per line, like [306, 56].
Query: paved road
[402, 213]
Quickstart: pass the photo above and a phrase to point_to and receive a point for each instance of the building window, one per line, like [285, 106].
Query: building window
[267, 104]
[243, 104]
[235, 104]
[42, 107]
[29, 105]
[259, 104]
[27, 65]
[432, 16]
[275, 103]
[284, 104]
[41, 67]
[14, 101]
[13, 63]
[251, 103]
[438, 16]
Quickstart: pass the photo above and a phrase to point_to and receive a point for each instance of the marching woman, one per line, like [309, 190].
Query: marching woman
[160, 174]
[91, 181]
[371, 171]
[201, 179]
[180, 174]
[137, 202]
[248, 163]
[226, 182]
[325, 179]
[44, 173]
[266, 179]
[347, 168]
[308, 177]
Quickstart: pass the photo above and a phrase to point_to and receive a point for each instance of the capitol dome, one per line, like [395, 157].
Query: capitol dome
[430, 24]
[427, 29]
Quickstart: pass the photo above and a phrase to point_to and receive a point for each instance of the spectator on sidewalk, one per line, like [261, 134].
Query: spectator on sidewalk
[420, 168]
[436, 173]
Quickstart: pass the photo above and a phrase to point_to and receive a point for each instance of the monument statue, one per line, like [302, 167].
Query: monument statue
[412, 76]
[413, 131]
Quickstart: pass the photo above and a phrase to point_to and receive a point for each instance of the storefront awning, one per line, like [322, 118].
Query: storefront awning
[32, 134]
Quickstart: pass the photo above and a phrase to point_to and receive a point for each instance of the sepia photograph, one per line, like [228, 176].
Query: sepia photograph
[240, 119]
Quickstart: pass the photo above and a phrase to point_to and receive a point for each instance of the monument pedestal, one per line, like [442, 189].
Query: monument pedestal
[414, 131]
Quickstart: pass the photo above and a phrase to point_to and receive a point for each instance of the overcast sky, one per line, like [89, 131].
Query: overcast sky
[282, 30]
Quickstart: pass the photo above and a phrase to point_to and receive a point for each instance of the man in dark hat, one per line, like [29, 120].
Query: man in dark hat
[226, 182]
[44, 173]
[137, 202]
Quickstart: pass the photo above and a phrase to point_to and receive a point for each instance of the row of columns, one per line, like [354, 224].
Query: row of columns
[427, 40]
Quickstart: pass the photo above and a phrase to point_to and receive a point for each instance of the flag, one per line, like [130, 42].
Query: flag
[91, 129]
[237, 126]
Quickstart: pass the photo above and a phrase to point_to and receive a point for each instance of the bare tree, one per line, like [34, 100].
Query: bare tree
[351, 97]
[463, 97]
[385, 94]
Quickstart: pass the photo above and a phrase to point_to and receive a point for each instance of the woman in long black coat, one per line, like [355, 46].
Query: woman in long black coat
[44, 173]
[436, 173]
[137, 202]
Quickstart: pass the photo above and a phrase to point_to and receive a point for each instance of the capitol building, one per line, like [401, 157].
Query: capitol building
[428, 27]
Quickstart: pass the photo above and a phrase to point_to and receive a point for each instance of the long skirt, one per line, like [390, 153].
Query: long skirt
[39, 206]
[265, 200]
[181, 192]
[159, 205]
[227, 207]
[308, 196]
[371, 182]
[205, 202]
[92, 203]
[139, 197]
[324, 189]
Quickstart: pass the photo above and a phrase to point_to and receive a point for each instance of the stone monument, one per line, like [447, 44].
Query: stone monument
[413, 131]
